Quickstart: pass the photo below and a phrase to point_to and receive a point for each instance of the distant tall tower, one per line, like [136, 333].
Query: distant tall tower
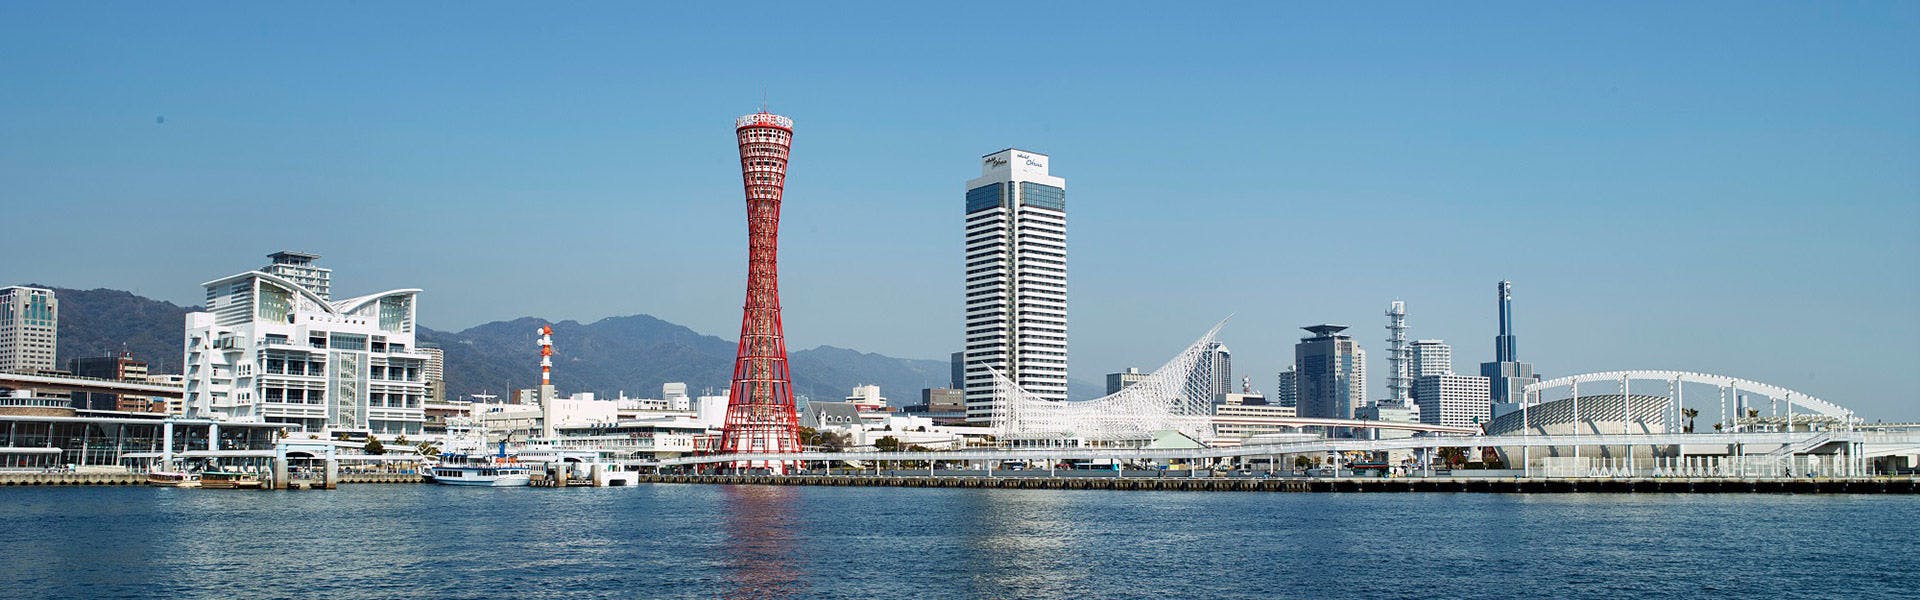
[760, 413]
[1503, 350]
[1015, 280]
[1508, 377]
[1399, 385]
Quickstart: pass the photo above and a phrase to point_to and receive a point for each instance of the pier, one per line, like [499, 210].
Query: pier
[1848, 485]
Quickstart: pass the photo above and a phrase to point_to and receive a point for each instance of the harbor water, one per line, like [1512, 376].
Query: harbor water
[718, 541]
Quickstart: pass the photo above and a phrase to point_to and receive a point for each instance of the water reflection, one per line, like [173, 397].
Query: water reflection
[761, 555]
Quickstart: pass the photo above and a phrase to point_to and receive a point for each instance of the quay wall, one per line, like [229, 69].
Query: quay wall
[8, 479]
[1856, 485]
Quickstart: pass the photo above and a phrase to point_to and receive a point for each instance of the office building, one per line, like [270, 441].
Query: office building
[1508, 376]
[867, 397]
[1432, 357]
[436, 374]
[29, 328]
[1015, 280]
[1452, 400]
[276, 350]
[944, 400]
[957, 367]
[1286, 389]
[1119, 381]
[1331, 373]
[122, 368]
[1215, 372]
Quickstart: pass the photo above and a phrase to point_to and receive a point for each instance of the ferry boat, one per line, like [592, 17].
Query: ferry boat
[224, 480]
[489, 473]
[460, 468]
[179, 479]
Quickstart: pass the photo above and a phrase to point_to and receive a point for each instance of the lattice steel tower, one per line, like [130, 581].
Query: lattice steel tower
[760, 415]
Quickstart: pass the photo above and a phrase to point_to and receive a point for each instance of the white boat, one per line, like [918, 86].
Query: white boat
[462, 463]
[483, 474]
[181, 479]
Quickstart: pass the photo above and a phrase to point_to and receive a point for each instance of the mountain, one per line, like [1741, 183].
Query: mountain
[634, 354]
[104, 322]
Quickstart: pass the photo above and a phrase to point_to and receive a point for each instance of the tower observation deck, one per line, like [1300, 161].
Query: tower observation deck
[760, 410]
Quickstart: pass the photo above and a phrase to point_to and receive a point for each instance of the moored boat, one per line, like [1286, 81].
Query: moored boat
[484, 474]
[180, 479]
[224, 480]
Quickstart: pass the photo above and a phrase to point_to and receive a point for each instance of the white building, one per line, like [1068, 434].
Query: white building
[1452, 400]
[1431, 357]
[276, 350]
[675, 395]
[29, 328]
[868, 398]
[1016, 279]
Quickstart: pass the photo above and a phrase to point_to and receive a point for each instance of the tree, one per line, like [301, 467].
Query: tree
[887, 444]
[1690, 413]
[373, 446]
[428, 449]
[833, 442]
[401, 441]
[1305, 462]
[1453, 456]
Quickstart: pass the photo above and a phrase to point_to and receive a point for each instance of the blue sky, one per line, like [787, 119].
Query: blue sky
[1731, 188]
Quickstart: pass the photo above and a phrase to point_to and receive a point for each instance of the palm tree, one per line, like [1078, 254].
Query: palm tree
[1690, 413]
[1454, 457]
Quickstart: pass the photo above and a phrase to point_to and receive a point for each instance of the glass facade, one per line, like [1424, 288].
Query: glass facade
[1037, 195]
[393, 314]
[985, 197]
[275, 303]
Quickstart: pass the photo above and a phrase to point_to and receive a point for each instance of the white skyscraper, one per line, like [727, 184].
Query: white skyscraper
[276, 350]
[1432, 357]
[1015, 279]
[29, 328]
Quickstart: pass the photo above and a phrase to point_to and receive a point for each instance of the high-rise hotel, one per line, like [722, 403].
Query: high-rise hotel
[29, 328]
[274, 346]
[1016, 279]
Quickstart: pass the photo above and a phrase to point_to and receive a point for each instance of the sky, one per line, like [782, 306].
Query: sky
[1730, 188]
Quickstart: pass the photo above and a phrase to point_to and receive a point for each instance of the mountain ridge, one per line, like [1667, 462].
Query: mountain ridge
[632, 354]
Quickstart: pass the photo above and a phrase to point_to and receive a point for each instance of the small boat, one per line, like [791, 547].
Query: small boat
[179, 479]
[224, 480]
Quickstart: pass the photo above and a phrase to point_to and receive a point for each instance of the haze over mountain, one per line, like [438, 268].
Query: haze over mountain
[634, 354]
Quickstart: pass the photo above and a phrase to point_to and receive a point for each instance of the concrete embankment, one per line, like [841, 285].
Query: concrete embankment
[1862, 485]
[13, 479]
[7, 479]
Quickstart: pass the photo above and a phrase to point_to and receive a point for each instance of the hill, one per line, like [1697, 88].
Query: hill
[634, 354]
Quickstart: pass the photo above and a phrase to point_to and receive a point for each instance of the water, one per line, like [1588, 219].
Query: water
[705, 541]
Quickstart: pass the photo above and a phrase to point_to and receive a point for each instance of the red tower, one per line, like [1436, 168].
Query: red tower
[760, 415]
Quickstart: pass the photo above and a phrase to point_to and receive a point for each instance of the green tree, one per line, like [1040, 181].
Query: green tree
[373, 446]
[1455, 457]
[428, 449]
[401, 441]
[1305, 462]
[834, 442]
[887, 444]
[1690, 413]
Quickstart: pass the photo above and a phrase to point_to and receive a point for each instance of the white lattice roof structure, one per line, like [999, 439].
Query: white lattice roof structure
[1169, 399]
